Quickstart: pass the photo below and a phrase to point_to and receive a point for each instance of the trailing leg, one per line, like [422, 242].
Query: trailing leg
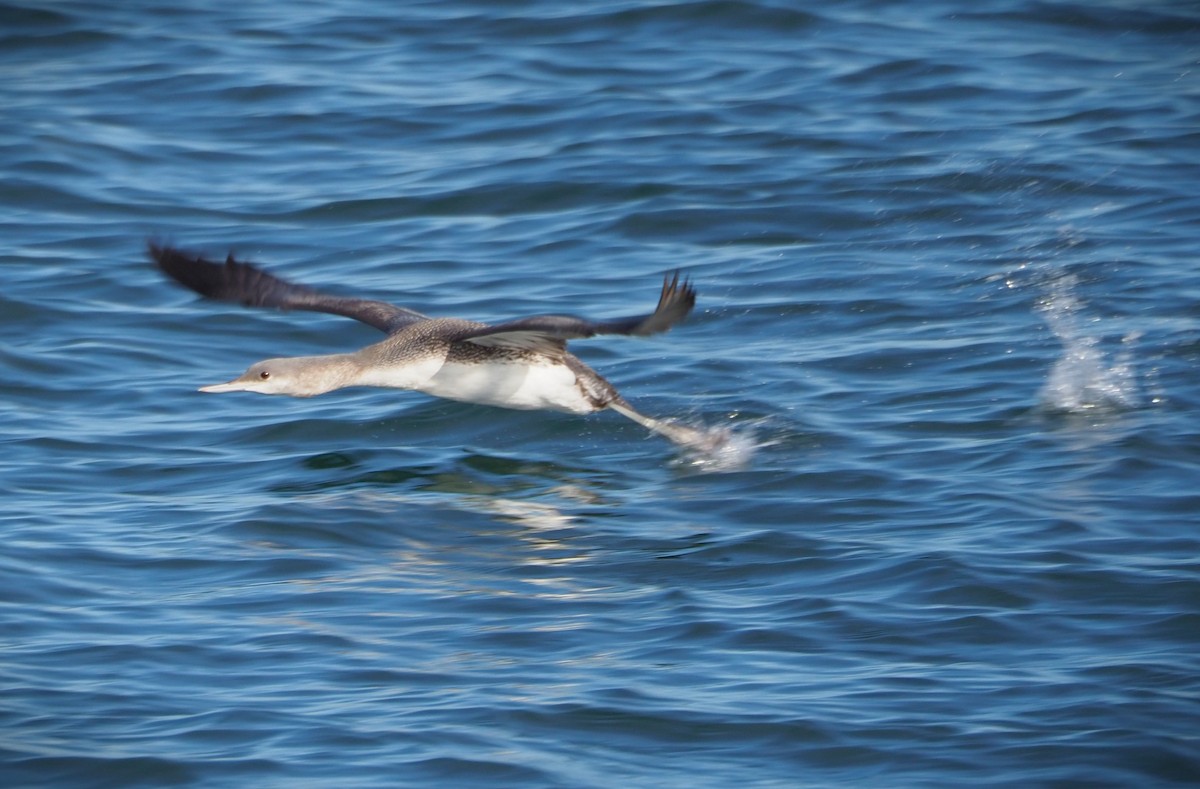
[688, 437]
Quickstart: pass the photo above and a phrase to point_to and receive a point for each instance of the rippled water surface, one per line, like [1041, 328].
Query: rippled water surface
[947, 263]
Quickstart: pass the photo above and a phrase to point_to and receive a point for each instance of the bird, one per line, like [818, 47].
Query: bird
[520, 364]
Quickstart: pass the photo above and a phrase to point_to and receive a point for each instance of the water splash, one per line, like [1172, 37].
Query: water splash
[720, 448]
[1084, 378]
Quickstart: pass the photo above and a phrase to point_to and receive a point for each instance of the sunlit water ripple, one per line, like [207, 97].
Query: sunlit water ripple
[946, 264]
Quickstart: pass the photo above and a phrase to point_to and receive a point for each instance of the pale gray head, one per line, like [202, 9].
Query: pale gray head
[299, 376]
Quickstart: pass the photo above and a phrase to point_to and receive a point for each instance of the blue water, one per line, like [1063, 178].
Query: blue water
[946, 256]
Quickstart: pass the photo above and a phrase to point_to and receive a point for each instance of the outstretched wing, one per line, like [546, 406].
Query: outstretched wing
[242, 283]
[549, 333]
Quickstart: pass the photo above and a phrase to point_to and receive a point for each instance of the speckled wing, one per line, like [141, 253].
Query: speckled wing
[549, 333]
[242, 283]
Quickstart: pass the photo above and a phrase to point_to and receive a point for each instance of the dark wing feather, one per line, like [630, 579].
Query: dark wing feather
[544, 332]
[519, 340]
[244, 284]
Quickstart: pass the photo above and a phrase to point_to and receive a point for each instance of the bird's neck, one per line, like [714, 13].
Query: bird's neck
[321, 374]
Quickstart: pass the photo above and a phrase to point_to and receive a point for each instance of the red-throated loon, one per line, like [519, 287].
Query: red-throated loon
[522, 363]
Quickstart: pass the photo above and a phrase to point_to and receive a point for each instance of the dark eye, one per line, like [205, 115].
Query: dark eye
[264, 375]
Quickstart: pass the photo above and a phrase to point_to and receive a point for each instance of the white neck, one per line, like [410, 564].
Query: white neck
[371, 368]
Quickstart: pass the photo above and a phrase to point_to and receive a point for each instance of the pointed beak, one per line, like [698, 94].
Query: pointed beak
[232, 386]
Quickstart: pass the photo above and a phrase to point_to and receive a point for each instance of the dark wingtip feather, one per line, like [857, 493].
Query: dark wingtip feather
[677, 294]
[242, 283]
[192, 271]
[674, 304]
[232, 280]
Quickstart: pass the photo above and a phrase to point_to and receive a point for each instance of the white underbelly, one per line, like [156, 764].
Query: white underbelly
[524, 386]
